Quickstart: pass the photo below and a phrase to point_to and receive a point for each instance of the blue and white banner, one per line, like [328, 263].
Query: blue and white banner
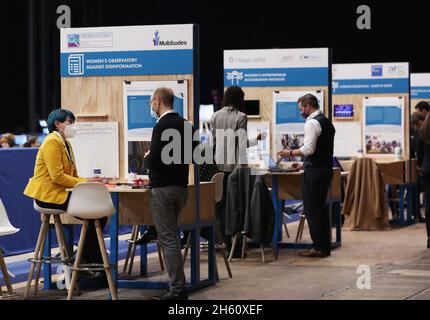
[383, 124]
[138, 122]
[276, 67]
[134, 50]
[420, 86]
[366, 78]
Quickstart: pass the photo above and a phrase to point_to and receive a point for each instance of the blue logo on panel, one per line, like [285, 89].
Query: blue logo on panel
[75, 64]
[377, 71]
[156, 38]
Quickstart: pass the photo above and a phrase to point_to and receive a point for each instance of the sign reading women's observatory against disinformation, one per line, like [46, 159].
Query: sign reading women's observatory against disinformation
[135, 50]
[276, 67]
[364, 78]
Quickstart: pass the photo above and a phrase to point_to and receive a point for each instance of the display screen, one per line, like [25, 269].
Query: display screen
[252, 107]
[343, 111]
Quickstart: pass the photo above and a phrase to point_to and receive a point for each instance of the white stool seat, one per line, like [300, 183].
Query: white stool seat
[90, 200]
[6, 228]
[46, 210]
[6, 231]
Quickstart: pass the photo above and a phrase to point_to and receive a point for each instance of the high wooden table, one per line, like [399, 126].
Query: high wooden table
[133, 208]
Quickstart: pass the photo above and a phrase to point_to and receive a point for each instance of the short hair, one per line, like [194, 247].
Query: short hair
[59, 115]
[309, 100]
[234, 97]
[166, 96]
[416, 118]
[422, 105]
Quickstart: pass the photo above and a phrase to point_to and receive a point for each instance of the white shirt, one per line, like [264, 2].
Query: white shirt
[312, 132]
[170, 111]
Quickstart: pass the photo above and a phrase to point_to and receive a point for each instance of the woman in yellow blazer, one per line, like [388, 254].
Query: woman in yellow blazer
[55, 170]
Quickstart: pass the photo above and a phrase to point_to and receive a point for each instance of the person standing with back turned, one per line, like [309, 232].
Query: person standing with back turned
[318, 167]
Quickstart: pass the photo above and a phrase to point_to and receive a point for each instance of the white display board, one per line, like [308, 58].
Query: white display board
[96, 143]
[347, 140]
[288, 124]
[383, 124]
[254, 153]
[138, 122]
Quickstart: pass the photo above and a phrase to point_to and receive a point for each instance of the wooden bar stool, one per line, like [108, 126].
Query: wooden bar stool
[131, 251]
[90, 202]
[38, 258]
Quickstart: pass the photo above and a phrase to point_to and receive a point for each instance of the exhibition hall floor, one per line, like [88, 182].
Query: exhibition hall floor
[398, 260]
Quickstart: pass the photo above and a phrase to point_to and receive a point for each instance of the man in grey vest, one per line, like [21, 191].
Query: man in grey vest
[318, 172]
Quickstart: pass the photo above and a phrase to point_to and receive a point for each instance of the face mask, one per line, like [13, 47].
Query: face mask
[70, 131]
[304, 115]
[154, 114]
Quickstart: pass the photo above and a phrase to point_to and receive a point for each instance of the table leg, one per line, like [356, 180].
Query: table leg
[143, 255]
[114, 221]
[278, 215]
[401, 205]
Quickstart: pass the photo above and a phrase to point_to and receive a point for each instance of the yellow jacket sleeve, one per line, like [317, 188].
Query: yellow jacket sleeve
[54, 164]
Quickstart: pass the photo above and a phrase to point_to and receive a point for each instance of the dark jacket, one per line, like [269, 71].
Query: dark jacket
[160, 173]
[423, 156]
[249, 206]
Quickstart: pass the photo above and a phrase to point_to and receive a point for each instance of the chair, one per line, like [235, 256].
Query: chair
[91, 201]
[6, 229]
[131, 251]
[38, 258]
[218, 180]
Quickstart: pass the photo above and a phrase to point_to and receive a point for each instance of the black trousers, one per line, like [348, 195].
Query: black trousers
[425, 183]
[315, 184]
[91, 252]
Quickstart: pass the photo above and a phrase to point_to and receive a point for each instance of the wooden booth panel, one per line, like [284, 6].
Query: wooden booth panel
[101, 98]
[135, 208]
[357, 101]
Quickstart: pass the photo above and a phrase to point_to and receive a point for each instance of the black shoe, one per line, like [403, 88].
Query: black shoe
[428, 244]
[172, 296]
[146, 237]
[421, 220]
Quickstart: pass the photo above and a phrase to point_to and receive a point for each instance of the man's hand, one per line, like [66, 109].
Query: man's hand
[262, 136]
[95, 179]
[146, 153]
[297, 166]
[284, 153]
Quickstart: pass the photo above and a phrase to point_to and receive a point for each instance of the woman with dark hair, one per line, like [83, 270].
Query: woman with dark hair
[55, 171]
[229, 136]
[423, 157]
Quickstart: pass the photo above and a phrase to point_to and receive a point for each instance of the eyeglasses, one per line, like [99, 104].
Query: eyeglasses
[150, 101]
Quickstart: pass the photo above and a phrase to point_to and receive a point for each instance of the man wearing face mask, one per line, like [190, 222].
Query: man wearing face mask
[168, 182]
[55, 171]
[318, 172]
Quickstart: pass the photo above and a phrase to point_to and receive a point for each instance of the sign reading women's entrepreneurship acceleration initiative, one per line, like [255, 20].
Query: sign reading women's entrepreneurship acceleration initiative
[420, 86]
[133, 50]
[365, 78]
[276, 67]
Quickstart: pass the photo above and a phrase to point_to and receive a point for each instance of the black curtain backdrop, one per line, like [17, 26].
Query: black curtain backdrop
[31, 39]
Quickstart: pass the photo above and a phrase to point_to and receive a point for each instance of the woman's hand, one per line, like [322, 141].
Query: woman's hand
[95, 179]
